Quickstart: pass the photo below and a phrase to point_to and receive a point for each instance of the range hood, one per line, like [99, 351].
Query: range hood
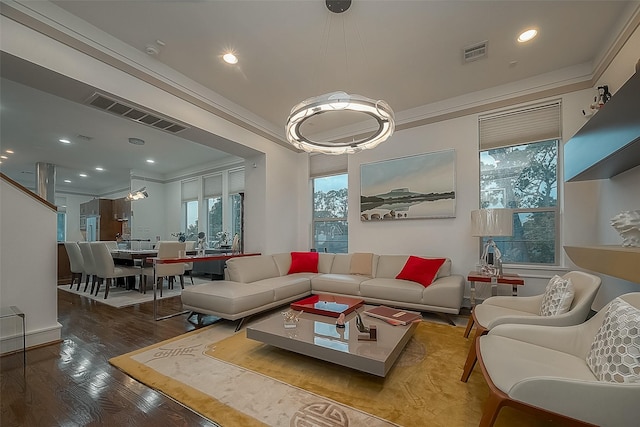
[609, 143]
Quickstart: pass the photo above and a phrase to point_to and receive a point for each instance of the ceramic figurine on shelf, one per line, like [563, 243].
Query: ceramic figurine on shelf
[340, 321]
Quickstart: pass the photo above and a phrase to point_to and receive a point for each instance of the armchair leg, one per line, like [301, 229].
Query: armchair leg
[182, 281]
[491, 409]
[469, 326]
[472, 357]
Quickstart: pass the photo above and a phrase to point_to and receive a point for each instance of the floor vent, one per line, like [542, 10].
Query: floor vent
[475, 52]
[119, 108]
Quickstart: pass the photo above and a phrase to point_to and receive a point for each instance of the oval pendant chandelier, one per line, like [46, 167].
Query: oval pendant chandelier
[334, 102]
[339, 101]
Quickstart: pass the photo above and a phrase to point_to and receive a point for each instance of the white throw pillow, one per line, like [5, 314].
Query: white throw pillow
[558, 296]
[615, 352]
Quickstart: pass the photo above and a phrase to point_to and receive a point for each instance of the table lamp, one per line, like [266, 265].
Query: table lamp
[490, 223]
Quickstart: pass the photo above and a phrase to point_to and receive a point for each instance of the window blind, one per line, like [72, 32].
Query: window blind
[531, 124]
[236, 181]
[326, 164]
[213, 186]
[190, 189]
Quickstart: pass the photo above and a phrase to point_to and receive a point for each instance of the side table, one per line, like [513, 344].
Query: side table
[13, 311]
[506, 279]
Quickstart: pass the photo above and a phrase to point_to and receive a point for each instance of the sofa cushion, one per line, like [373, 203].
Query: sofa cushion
[361, 264]
[287, 286]
[341, 264]
[251, 268]
[389, 266]
[325, 262]
[226, 297]
[558, 296]
[421, 270]
[615, 352]
[346, 284]
[304, 262]
[392, 290]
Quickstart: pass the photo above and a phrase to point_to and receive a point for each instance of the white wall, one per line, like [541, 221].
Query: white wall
[28, 267]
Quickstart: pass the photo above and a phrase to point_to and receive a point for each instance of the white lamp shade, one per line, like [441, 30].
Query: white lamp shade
[492, 222]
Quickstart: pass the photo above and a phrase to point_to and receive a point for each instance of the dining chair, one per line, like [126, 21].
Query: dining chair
[106, 269]
[75, 262]
[500, 310]
[166, 249]
[88, 265]
[188, 266]
[111, 244]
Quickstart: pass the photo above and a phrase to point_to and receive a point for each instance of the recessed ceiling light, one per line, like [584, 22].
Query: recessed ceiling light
[3, 157]
[68, 181]
[230, 58]
[150, 161]
[65, 141]
[527, 35]
[136, 141]
[84, 175]
[8, 151]
[99, 168]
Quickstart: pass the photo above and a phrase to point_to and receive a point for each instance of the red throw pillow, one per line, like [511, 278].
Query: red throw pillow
[421, 270]
[304, 262]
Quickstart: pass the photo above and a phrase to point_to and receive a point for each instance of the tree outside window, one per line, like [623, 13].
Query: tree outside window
[330, 226]
[524, 178]
[191, 219]
[214, 220]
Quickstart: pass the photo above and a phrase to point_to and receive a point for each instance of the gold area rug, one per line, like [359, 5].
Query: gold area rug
[238, 382]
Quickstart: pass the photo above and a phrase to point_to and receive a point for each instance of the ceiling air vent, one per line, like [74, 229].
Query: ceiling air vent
[475, 52]
[119, 108]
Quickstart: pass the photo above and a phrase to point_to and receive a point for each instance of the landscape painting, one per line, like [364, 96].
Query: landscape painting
[421, 186]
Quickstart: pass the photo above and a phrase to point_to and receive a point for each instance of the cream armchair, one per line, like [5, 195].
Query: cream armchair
[500, 310]
[544, 370]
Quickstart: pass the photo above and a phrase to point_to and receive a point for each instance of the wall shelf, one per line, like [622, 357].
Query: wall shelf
[622, 262]
[609, 143]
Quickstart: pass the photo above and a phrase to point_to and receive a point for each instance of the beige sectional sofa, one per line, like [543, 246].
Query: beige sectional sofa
[258, 283]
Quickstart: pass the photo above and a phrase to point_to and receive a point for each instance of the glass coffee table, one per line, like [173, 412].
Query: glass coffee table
[317, 336]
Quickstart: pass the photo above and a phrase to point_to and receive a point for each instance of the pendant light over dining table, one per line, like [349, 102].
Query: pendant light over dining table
[336, 102]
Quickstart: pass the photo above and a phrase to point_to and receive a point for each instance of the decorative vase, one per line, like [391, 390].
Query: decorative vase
[627, 224]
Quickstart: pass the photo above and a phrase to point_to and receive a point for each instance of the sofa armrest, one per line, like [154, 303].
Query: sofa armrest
[526, 304]
[597, 402]
[575, 340]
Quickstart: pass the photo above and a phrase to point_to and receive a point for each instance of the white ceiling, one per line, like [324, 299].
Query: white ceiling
[408, 53]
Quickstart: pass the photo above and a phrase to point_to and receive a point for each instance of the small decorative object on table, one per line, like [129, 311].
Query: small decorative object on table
[291, 318]
[366, 334]
[627, 224]
[340, 321]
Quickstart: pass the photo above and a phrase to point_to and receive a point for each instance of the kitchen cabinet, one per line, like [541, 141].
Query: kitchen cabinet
[101, 213]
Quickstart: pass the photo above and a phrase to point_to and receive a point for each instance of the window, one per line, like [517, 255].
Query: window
[236, 214]
[191, 218]
[214, 220]
[519, 171]
[213, 186]
[62, 226]
[330, 227]
[524, 178]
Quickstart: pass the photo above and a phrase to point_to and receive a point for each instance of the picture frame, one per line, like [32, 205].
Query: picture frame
[412, 187]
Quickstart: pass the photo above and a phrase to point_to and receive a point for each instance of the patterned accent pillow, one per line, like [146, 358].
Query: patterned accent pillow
[615, 352]
[558, 296]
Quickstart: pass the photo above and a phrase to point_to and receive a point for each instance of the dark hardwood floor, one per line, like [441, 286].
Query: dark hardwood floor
[73, 384]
